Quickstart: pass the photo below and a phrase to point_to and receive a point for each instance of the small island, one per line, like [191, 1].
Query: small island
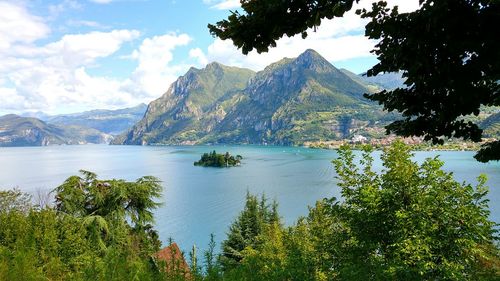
[218, 160]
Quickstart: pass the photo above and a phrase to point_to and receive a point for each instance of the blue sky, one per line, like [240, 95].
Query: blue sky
[63, 56]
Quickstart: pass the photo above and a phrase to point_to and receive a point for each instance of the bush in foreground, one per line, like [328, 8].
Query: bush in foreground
[410, 222]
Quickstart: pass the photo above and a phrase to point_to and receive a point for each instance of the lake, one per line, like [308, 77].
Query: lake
[199, 201]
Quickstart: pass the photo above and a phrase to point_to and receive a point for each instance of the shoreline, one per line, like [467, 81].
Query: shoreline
[416, 145]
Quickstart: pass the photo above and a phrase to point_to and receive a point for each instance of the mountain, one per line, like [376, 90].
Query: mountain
[491, 126]
[389, 81]
[191, 107]
[112, 122]
[26, 131]
[289, 102]
[360, 79]
[37, 114]
[293, 101]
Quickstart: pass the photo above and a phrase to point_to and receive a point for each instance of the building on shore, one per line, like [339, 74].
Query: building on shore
[171, 259]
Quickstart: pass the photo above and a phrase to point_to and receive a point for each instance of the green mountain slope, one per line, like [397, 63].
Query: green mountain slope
[491, 126]
[289, 102]
[25, 131]
[362, 80]
[191, 107]
[296, 100]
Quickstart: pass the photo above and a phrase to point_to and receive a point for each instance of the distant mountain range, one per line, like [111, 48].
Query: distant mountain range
[290, 102]
[39, 129]
[112, 122]
[26, 131]
[388, 81]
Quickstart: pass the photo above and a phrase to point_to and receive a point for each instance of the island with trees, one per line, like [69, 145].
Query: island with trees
[213, 159]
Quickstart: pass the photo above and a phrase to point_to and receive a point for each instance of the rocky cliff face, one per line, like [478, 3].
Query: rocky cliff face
[190, 108]
[289, 102]
[285, 99]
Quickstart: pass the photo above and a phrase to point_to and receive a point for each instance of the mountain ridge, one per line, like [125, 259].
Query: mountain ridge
[16, 130]
[113, 122]
[184, 104]
[289, 102]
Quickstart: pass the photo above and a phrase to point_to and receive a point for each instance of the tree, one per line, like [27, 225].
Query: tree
[15, 200]
[411, 222]
[109, 208]
[88, 196]
[244, 231]
[218, 160]
[212, 268]
[447, 50]
[98, 230]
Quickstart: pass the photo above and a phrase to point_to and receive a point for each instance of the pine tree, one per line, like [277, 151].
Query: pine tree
[244, 231]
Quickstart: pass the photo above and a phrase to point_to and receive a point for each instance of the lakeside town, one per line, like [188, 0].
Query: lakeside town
[416, 143]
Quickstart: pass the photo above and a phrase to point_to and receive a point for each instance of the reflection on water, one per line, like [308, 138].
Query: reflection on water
[198, 201]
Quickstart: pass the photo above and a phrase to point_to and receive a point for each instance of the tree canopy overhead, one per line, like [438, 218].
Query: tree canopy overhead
[447, 50]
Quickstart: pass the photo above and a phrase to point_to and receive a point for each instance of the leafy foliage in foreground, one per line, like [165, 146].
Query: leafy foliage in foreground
[14, 199]
[99, 230]
[410, 222]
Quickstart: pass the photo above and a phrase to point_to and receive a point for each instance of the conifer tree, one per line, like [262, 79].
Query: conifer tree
[244, 231]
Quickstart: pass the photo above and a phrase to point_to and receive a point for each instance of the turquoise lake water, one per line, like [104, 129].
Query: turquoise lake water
[199, 201]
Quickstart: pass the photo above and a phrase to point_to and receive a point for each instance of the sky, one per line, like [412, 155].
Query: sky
[65, 56]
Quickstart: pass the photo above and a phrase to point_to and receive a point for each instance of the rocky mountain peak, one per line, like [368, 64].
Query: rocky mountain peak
[213, 66]
[310, 59]
[310, 54]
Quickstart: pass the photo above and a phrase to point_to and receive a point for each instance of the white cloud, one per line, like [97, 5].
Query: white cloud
[154, 72]
[80, 49]
[19, 26]
[198, 54]
[337, 40]
[333, 49]
[55, 77]
[11, 100]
